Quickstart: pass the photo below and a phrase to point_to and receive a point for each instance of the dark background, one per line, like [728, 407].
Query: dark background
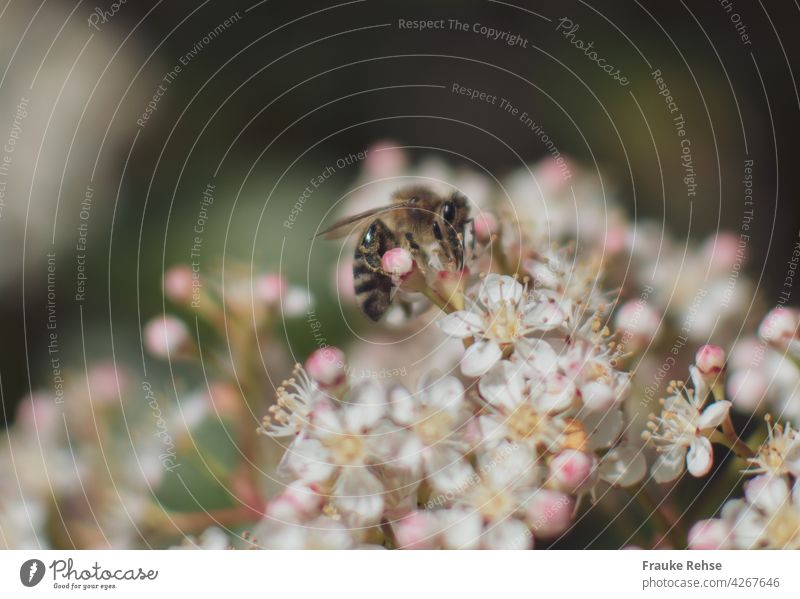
[349, 93]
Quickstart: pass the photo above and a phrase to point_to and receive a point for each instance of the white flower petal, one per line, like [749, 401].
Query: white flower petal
[559, 393]
[701, 388]
[500, 289]
[445, 394]
[402, 406]
[410, 454]
[669, 466]
[603, 428]
[308, 460]
[767, 493]
[623, 466]
[448, 472]
[546, 315]
[461, 529]
[538, 354]
[508, 534]
[480, 357]
[366, 406]
[700, 457]
[461, 324]
[714, 415]
[502, 386]
[358, 495]
[509, 465]
[493, 428]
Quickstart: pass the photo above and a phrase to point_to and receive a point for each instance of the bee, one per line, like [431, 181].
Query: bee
[430, 226]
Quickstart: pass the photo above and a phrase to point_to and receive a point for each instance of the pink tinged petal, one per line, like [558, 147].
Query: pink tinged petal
[700, 457]
[358, 495]
[710, 534]
[710, 360]
[418, 530]
[623, 466]
[366, 407]
[714, 415]
[508, 534]
[669, 466]
[502, 386]
[767, 493]
[461, 529]
[500, 289]
[480, 357]
[549, 513]
[461, 324]
[572, 470]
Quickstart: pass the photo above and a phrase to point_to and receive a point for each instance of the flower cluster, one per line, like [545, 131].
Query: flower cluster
[493, 455]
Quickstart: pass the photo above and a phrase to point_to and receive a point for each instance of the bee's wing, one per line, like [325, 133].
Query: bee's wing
[342, 227]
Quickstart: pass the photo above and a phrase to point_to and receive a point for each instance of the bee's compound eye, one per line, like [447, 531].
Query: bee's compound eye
[449, 211]
[437, 232]
[369, 235]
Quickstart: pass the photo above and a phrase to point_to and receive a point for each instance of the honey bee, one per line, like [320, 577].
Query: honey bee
[431, 227]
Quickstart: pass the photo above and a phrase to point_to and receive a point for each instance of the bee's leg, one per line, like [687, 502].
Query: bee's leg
[420, 256]
[373, 287]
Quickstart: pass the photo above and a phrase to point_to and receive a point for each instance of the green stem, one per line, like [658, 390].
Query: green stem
[731, 440]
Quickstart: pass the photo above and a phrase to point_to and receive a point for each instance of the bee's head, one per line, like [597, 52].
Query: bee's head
[448, 227]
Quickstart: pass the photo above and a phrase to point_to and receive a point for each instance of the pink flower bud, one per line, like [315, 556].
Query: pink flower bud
[416, 531]
[296, 302]
[722, 252]
[710, 360]
[327, 366]
[269, 288]
[780, 326]
[549, 513]
[710, 534]
[572, 470]
[166, 336]
[637, 322]
[225, 399]
[39, 414]
[106, 382]
[485, 226]
[398, 262]
[744, 353]
[616, 237]
[178, 284]
[385, 159]
[747, 389]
